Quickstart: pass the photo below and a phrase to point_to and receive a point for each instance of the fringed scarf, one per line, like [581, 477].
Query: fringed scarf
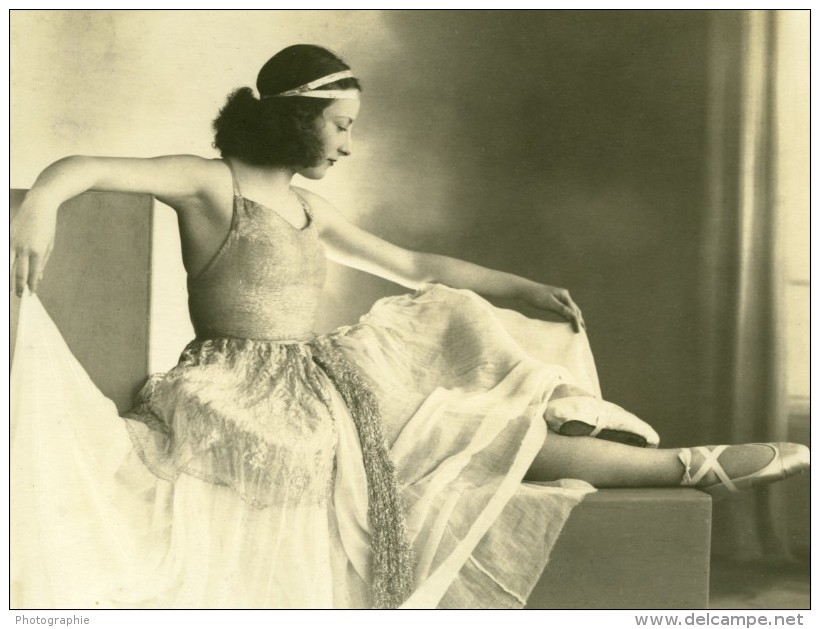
[392, 578]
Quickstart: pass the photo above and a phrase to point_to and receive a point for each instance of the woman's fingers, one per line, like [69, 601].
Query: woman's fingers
[572, 317]
[43, 267]
[26, 269]
[567, 312]
[579, 318]
[560, 301]
[12, 258]
[34, 271]
[571, 311]
[21, 274]
[576, 320]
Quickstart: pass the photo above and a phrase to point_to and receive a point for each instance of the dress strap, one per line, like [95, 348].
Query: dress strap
[225, 242]
[236, 191]
[304, 205]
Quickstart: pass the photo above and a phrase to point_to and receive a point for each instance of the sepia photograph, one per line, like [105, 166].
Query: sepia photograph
[410, 309]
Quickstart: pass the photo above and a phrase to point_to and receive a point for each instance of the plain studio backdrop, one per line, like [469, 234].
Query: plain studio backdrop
[577, 148]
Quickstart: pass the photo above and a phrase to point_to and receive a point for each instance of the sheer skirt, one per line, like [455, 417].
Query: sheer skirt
[239, 480]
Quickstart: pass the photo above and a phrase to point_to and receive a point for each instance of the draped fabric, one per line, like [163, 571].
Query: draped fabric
[743, 399]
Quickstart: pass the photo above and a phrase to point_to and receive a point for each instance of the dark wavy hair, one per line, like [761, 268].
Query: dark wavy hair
[280, 131]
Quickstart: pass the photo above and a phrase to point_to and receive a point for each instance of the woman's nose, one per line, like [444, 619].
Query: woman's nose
[347, 146]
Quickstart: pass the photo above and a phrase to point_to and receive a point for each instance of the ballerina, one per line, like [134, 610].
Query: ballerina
[383, 465]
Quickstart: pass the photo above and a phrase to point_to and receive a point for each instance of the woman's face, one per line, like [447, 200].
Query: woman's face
[334, 124]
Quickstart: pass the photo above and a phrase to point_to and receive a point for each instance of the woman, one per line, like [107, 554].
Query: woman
[380, 465]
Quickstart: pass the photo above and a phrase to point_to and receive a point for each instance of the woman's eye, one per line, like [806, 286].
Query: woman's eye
[342, 129]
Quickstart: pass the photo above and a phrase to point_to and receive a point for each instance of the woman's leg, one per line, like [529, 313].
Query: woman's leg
[609, 464]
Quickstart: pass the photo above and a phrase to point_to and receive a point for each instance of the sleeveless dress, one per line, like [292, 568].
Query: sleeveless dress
[381, 465]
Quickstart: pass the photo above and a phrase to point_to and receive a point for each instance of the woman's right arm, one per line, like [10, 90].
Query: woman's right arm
[172, 178]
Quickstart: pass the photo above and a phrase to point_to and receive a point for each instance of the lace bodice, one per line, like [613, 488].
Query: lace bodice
[265, 280]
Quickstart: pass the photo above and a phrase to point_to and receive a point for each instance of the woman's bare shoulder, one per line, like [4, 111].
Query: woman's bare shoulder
[322, 209]
[202, 172]
[326, 217]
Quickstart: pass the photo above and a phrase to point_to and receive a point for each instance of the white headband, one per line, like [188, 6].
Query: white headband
[308, 88]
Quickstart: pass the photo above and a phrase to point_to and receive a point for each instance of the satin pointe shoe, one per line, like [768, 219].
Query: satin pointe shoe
[789, 459]
[586, 415]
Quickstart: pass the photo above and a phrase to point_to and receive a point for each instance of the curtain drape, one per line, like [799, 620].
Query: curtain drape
[744, 395]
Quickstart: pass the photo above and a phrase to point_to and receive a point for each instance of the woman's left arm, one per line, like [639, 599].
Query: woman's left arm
[352, 246]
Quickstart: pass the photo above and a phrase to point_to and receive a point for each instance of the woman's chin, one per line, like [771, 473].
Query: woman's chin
[315, 172]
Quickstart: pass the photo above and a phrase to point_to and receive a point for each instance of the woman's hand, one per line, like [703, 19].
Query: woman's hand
[31, 239]
[557, 300]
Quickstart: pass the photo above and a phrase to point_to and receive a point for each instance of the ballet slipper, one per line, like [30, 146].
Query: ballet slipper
[789, 459]
[586, 415]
